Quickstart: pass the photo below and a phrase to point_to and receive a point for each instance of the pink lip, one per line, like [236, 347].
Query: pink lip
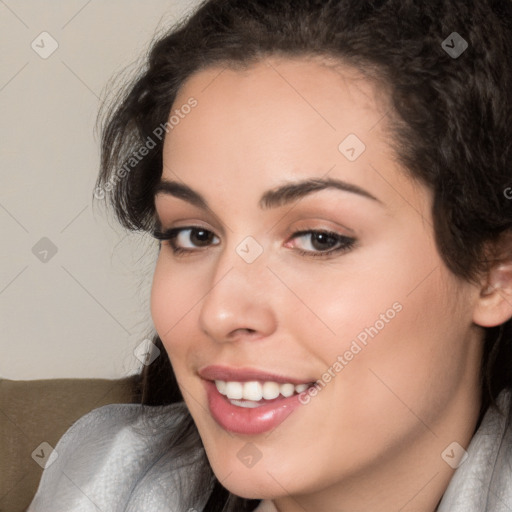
[226, 373]
[248, 421]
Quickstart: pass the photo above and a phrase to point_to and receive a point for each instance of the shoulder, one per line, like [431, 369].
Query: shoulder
[100, 460]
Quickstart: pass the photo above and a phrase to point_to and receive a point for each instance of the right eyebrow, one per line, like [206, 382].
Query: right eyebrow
[181, 191]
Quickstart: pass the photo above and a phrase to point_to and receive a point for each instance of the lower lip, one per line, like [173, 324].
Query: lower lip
[244, 420]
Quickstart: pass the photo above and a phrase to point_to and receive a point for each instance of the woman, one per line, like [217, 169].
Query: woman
[328, 182]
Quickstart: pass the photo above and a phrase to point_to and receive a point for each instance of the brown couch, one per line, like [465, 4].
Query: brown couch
[40, 411]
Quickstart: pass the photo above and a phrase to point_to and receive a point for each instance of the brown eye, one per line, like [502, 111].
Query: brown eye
[201, 237]
[321, 243]
[187, 239]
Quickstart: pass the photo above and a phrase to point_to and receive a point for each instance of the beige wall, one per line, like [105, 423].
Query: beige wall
[81, 312]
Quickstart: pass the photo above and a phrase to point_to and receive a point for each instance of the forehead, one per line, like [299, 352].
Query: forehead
[316, 76]
[323, 94]
[278, 102]
[279, 120]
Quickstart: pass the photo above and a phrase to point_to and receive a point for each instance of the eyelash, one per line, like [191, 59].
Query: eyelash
[345, 243]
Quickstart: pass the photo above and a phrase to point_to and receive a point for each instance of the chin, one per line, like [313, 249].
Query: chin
[252, 488]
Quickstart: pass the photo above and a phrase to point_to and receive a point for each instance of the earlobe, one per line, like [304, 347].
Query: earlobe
[494, 306]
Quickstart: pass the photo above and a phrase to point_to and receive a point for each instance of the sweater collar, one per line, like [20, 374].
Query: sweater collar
[483, 482]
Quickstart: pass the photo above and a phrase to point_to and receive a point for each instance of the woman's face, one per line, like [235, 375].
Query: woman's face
[311, 258]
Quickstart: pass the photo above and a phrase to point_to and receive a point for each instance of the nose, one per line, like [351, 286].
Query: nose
[239, 302]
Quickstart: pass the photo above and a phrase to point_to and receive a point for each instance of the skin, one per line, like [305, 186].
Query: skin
[372, 438]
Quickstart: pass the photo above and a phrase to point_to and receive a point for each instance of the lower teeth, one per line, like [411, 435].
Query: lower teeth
[245, 403]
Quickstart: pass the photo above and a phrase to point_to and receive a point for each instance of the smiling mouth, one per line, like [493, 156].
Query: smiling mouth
[250, 401]
[253, 394]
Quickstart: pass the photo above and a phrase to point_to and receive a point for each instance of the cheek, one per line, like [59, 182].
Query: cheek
[172, 302]
[162, 298]
[397, 333]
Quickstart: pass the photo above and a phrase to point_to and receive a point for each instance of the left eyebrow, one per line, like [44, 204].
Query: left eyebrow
[293, 191]
[274, 198]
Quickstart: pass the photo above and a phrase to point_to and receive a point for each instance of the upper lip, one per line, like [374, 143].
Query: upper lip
[245, 374]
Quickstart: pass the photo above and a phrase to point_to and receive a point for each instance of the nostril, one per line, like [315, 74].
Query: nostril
[242, 330]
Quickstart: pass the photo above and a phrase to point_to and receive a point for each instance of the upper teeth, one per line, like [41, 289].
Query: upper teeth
[254, 390]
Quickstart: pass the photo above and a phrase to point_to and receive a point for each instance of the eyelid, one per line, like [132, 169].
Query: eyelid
[189, 221]
[320, 225]
[165, 234]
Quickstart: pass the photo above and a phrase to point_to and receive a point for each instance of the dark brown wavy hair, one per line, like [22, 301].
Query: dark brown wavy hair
[451, 125]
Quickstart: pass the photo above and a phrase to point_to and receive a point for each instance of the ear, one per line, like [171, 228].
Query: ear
[494, 305]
